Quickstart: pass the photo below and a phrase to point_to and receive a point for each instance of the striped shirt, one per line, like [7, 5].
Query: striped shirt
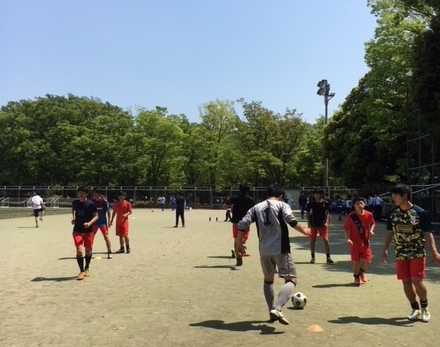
[271, 218]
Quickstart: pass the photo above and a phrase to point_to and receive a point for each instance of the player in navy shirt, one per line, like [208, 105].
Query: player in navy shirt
[84, 214]
[103, 209]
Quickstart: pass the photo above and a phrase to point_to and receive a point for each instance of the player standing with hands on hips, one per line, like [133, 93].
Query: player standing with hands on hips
[271, 218]
[408, 225]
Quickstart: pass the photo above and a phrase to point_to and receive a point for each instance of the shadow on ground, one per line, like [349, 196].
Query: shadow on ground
[231, 267]
[55, 279]
[238, 326]
[395, 321]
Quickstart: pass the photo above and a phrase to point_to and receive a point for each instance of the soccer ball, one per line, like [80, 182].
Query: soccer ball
[299, 300]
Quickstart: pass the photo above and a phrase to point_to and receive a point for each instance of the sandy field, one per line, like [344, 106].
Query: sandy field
[179, 287]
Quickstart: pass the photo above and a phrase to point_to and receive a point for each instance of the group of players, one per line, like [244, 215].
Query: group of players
[91, 215]
[407, 225]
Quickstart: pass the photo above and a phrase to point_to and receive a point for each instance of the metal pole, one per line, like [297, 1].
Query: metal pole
[326, 192]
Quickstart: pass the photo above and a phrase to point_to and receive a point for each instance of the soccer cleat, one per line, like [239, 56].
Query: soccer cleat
[425, 315]
[276, 315]
[363, 277]
[87, 272]
[128, 250]
[357, 281]
[81, 276]
[120, 250]
[312, 261]
[415, 314]
[232, 254]
[175, 226]
[239, 262]
[109, 255]
[330, 261]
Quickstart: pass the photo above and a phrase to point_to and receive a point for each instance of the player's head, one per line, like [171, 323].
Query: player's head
[358, 202]
[400, 193]
[35, 193]
[82, 192]
[244, 189]
[275, 191]
[97, 193]
[121, 195]
[318, 193]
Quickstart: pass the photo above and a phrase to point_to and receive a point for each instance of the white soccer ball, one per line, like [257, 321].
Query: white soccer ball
[299, 300]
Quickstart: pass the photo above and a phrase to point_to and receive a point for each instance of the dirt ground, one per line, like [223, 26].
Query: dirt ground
[179, 287]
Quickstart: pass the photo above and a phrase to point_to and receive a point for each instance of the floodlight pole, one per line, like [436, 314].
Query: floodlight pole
[324, 90]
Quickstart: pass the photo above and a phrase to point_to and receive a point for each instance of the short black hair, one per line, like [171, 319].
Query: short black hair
[319, 191]
[244, 189]
[83, 189]
[121, 193]
[357, 198]
[401, 189]
[97, 190]
[274, 191]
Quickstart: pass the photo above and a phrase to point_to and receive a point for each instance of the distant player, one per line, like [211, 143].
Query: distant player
[272, 217]
[240, 205]
[122, 209]
[38, 207]
[104, 216]
[358, 227]
[180, 209]
[84, 214]
[318, 219]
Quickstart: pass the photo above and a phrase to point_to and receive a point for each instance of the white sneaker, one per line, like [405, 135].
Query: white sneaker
[425, 314]
[415, 314]
[276, 315]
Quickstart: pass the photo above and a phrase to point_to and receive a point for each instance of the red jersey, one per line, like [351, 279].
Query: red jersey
[359, 229]
[121, 208]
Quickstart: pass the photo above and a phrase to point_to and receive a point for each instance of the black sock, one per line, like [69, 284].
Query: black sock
[361, 270]
[128, 246]
[415, 305]
[88, 260]
[356, 276]
[80, 261]
[313, 255]
[328, 255]
[423, 304]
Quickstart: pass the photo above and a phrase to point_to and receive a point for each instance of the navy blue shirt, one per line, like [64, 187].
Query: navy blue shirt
[84, 212]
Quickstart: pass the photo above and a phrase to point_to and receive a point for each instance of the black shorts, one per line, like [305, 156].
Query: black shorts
[37, 211]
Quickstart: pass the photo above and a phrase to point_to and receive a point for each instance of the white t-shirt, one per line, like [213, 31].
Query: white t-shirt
[37, 202]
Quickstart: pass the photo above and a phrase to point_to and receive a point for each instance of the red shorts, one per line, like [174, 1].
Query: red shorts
[102, 227]
[360, 253]
[83, 238]
[235, 232]
[122, 229]
[323, 233]
[414, 268]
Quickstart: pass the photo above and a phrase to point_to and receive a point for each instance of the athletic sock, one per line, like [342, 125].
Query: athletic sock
[284, 295]
[415, 305]
[88, 260]
[80, 261]
[313, 255]
[423, 304]
[269, 294]
[328, 255]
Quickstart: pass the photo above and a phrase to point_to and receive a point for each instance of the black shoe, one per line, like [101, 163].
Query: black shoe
[239, 262]
[121, 250]
[128, 250]
[109, 255]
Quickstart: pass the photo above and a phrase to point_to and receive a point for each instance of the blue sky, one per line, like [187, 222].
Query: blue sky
[182, 54]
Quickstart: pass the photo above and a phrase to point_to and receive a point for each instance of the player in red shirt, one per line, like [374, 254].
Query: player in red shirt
[358, 227]
[121, 209]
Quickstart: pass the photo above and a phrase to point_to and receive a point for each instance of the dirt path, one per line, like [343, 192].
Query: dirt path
[179, 287]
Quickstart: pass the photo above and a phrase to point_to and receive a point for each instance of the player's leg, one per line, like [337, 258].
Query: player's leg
[313, 235]
[88, 246]
[268, 265]
[234, 251]
[355, 263]
[36, 218]
[182, 216]
[287, 271]
[108, 244]
[323, 233]
[244, 238]
[120, 234]
[177, 218]
[417, 269]
[78, 241]
[126, 239]
[365, 264]
[404, 274]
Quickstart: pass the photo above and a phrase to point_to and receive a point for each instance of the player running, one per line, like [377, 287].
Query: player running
[103, 209]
